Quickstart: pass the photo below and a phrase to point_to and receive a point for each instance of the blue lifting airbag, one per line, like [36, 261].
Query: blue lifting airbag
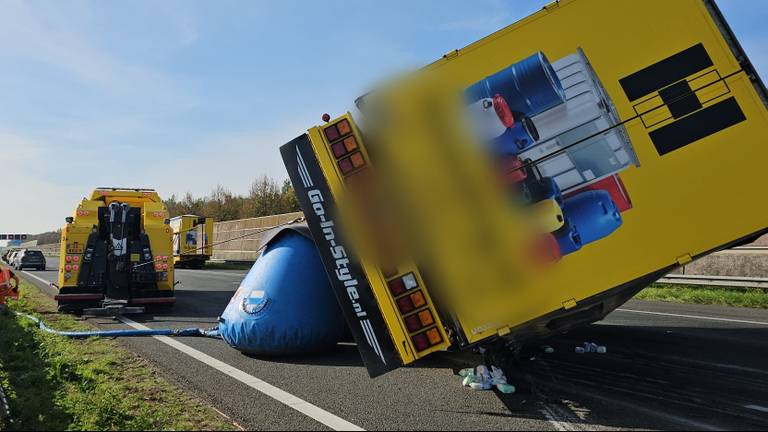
[285, 305]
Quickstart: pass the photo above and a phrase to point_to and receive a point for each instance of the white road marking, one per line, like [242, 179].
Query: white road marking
[632, 406]
[203, 273]
[757, 408]
[36, 277]
[557, 420]
[304, 407]
[694, 317]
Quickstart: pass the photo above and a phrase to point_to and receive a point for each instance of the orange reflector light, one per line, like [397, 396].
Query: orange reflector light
[344, 127]
[426, 318]
[332, 133]
[350, 143]
[357, 160]
[434, 336]
[418, 299]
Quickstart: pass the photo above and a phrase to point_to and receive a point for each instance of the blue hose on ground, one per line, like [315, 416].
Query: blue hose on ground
[189, 332]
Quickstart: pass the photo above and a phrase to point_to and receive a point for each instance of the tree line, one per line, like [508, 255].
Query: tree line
[265, 198]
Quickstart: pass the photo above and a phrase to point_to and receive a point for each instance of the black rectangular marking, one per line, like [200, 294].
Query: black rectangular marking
[668, 71]
[345, 273]
[701, 124]
[680, 99]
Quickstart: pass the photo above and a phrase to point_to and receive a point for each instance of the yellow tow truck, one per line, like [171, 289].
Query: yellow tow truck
[116, 253]
[536, 179]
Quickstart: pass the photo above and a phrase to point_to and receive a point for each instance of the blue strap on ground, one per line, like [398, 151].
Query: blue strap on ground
[189, 332]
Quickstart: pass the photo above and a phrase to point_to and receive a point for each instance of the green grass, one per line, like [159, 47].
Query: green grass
[752, 298]
[54, 383]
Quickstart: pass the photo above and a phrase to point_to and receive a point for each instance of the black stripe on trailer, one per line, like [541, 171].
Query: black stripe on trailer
[352, 288]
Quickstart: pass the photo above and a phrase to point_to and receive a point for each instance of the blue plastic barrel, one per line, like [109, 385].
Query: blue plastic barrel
[529, 86]
[593, 213]
[541, 188]
[568, 238]
[517, 138]
[285, 305]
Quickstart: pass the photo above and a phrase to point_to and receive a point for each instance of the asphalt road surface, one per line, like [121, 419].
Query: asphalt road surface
[668, 366]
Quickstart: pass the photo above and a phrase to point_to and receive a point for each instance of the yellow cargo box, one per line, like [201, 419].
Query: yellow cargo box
[536, 179]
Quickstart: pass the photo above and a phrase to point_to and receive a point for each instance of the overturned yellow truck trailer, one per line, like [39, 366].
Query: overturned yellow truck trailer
[536, 179]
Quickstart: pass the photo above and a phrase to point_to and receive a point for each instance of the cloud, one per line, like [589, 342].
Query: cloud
[55, 35]
[29, 203]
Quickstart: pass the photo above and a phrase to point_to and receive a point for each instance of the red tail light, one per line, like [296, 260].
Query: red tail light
[332, 133]
[427, 339]
[396, 287]
[346, 167]
[405, 305]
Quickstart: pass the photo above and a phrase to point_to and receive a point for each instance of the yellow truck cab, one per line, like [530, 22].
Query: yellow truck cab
[116, 247]
[594, 148]
[192, 240]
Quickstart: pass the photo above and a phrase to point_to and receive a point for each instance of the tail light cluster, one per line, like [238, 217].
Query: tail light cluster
[415, 311]
[72, 263]
[345, 147]
[161, 263]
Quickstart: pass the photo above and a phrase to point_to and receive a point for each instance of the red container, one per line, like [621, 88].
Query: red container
[512, 170]
[614, 186]
[546, 249]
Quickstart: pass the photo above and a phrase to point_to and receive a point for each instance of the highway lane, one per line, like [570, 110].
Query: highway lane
[668, 367]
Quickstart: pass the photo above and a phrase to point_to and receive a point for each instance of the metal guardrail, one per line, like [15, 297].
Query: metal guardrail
[736, 282]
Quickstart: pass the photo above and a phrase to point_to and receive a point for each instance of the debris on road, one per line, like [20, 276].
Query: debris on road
[591, 347]
[480, 378]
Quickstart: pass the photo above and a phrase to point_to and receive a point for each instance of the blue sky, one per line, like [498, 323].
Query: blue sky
[184, 95]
